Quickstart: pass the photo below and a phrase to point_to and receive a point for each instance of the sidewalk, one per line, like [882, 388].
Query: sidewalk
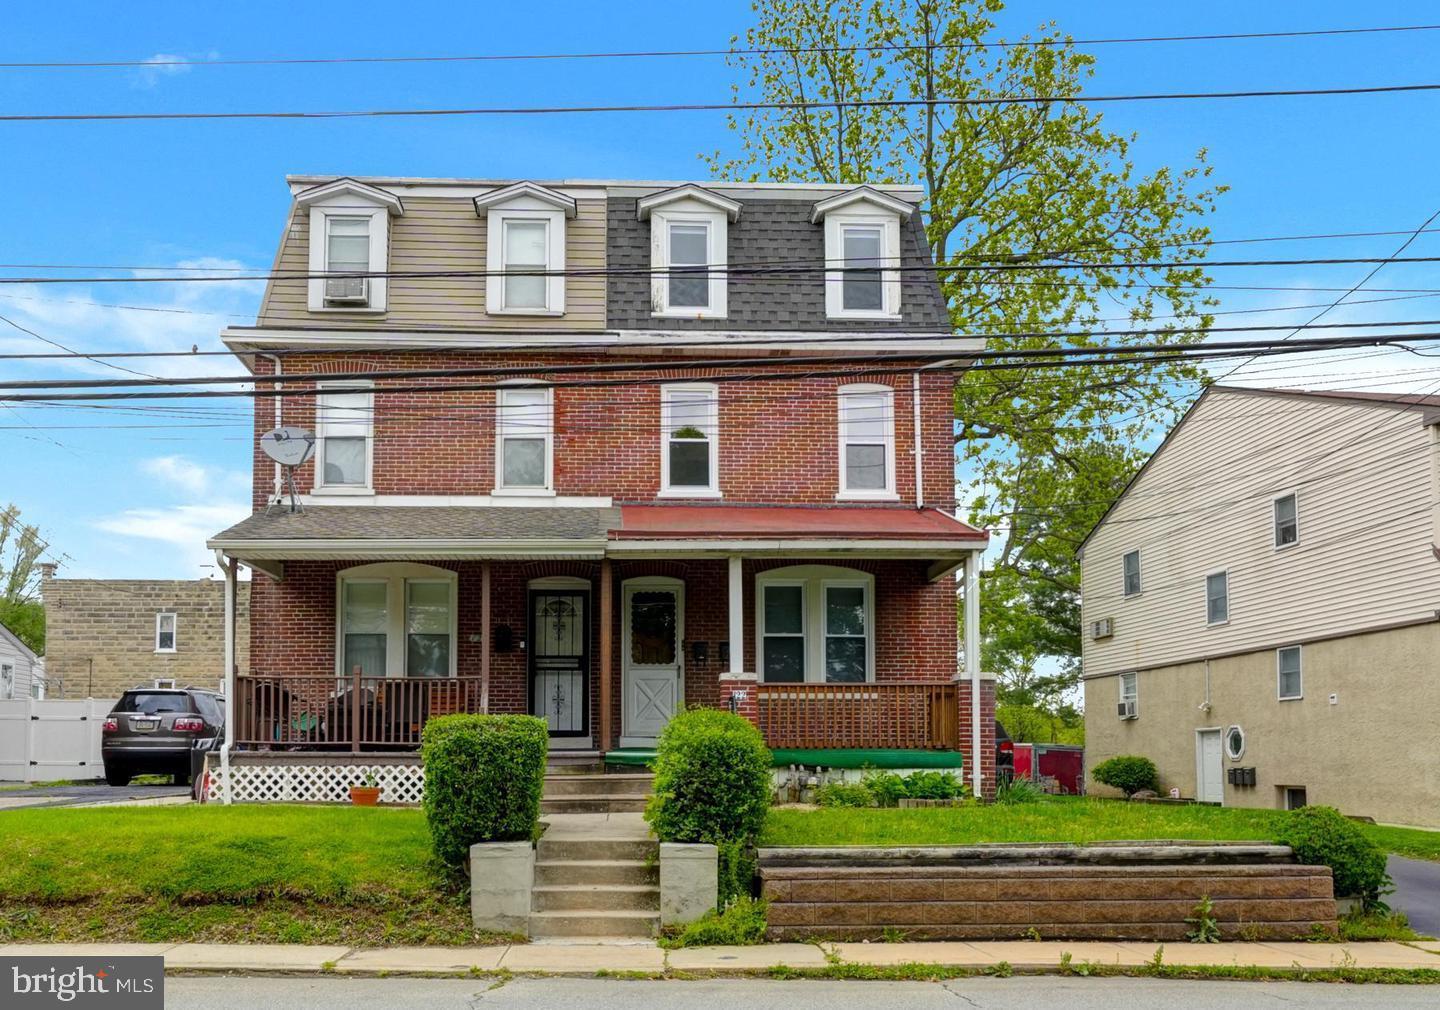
[589, 959]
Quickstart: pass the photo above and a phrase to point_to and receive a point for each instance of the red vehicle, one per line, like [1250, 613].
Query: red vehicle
[1064, 763]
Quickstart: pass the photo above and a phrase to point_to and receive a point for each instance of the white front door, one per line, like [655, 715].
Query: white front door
[1209, 767]
[651, 669]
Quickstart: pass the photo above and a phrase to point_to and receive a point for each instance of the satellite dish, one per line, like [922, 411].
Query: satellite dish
[290, 447]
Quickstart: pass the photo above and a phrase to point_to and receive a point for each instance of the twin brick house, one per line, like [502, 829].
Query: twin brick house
[596, 451]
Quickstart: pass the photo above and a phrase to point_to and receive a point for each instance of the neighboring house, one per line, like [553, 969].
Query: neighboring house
[105, 635]
[22, 673]
[1262, 605]
[602, 555]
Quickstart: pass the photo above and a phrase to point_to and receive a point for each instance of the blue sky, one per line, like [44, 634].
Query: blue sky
[138, 502]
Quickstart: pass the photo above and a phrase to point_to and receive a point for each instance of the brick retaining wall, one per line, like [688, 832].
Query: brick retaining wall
[1060, 902]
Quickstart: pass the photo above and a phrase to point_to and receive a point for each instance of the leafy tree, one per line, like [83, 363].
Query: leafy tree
[20, 550]
[1023, 184]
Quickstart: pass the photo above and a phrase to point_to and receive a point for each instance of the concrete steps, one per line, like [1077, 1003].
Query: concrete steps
[597, 898]
[571, 792]
[596, 874]
[552, 925]
[589, 872]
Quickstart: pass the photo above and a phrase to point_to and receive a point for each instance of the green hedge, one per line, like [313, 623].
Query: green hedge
[1129, 773]
[1323, 836]
[483, 779]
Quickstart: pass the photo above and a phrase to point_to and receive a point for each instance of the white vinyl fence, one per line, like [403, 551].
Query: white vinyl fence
[43, 741]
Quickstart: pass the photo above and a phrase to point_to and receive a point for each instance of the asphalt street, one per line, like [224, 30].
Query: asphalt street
[1030, 993]
[1417, 892]
[84, 794]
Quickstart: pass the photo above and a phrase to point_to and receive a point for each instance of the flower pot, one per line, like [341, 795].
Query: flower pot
[365, 796]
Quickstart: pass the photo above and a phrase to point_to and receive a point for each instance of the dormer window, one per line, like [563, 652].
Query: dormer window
[862, 253]
[350, 237]
[689, 238]
[525, 249]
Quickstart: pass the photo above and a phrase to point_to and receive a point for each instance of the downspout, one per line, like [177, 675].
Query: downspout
[919, 450]
[228, 565]
[278, 490]
[972, 666]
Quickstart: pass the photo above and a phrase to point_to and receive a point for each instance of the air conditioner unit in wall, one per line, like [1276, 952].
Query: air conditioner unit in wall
[1126, 710]
[347, 290]
[1103, 628]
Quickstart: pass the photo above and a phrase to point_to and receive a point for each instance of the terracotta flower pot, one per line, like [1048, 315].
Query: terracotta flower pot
[365, 796]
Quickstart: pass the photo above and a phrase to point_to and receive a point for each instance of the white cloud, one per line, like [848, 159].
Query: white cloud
[185, 475]
[182, 527]
[159, 66]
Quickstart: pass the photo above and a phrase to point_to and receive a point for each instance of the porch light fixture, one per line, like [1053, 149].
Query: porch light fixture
[700, 652]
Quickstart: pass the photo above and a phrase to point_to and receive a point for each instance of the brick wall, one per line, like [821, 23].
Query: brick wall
[778, 440]
[100, 633]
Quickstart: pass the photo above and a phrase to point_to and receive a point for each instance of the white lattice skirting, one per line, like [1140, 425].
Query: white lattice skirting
[289, 782]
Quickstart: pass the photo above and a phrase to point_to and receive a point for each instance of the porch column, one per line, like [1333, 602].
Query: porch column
[607, 647]
[485, 634]
[972, 667]
[229, 566]
[737, 616]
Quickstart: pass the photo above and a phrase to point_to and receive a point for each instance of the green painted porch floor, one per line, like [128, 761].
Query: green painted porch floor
[826, 758]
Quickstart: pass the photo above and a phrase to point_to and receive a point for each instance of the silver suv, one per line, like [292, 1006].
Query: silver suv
[160, 731]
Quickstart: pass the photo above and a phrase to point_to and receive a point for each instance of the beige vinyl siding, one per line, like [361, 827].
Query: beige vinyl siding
[439, 233]
[1362, 476]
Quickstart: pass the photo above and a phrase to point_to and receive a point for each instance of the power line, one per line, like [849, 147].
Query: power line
[856, 103]
[672, 53]
[69, 350]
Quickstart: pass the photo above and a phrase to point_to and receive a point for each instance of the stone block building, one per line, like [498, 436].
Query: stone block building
[103, 636]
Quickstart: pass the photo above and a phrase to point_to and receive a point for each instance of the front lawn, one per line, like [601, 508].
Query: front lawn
[1053, 820]
[278, 874]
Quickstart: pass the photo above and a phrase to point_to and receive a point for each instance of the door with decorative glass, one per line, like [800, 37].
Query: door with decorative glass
[651, 673]
[560, 660]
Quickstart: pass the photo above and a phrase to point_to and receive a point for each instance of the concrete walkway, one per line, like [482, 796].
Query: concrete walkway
[589, 959]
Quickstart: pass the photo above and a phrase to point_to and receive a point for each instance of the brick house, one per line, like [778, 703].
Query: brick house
[103, 636]
[606, 475]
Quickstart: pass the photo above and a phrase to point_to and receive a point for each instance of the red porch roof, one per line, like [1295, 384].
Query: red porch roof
[699, 522]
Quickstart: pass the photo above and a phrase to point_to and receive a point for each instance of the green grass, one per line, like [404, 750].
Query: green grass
[282, 874]
[1053, 820]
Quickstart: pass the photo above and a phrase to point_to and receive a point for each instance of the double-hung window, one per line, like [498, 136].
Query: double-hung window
[1289, 682]
[365, 627]
[525, 228]
[344, 419]
[689, 429]
[867, 442]
[1129, 695]
[347, 251]
[1217, 598]
[524, 440]
[397, 620]
[816, 624]
[1287, 521]
[527, 255]
[7, 682]
[862, 259]
[689, 247]
[348, 233]
[862, 286]
[165, 632]
[1132, 573]
[689, 239]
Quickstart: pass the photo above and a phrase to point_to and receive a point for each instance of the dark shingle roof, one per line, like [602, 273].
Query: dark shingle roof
[405, 522]
[768, 231]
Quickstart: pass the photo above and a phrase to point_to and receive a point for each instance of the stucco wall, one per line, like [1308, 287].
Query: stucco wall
[1373, 753]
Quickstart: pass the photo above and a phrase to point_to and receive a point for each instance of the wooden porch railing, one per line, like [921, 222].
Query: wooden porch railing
[910, 715]
[351, 713]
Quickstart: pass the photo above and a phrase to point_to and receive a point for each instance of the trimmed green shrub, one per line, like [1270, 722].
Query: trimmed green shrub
[1129, 773]
[742, 923]
[932, 785]
[1325, 837]
[844, 794]
[483, 779]
[888, 788]
[712, 779]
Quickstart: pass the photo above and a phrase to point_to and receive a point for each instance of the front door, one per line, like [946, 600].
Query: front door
[1209, 767]
[651, 674]
[560, 661]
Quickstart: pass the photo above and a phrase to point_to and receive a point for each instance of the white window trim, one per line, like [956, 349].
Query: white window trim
[395, 576]
[835, 262]
[548, 491]
[888, 493]
[1208, 576]
[712, 421]
[1134, 693]
[174, 631]
[717, 241]
[377, 287]
[814, 580]
[524, 209]
[1300, 669]
[1125, 575]
[1225, 742]
[319, 486]
[1275, 525]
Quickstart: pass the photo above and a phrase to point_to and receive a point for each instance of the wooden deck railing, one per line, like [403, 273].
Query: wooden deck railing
[912, 715]
[351, 713]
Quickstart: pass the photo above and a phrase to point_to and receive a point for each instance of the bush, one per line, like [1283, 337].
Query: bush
[927, 785]
[1129, 773]
[1323, 836]
[483, 779]
[735, 875]
[888, 788]
[844, 794]
[712, 779]
[742, 923]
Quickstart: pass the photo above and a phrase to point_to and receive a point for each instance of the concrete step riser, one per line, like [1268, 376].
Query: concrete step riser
[577, 874]
[596, 785]
[560, 850]
[592, 804]
[562, 925]
[592, 899]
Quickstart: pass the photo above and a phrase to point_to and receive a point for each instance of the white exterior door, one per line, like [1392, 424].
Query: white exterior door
[1209, 767]
[652, 670]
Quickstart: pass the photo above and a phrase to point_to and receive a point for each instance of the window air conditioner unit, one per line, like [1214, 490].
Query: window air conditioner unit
[347, 290]
[1126, 710]
[1103, 628]
[164, 683]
